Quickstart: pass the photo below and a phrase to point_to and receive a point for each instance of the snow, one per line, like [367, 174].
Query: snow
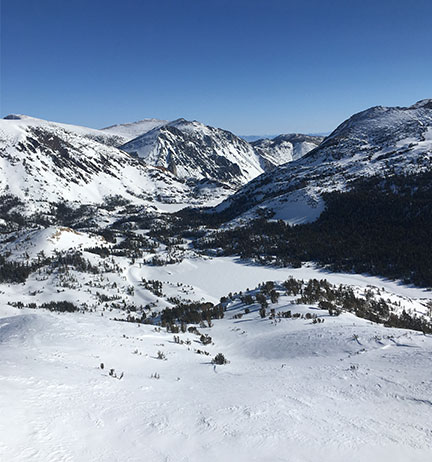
[342, 389]
[285, 148]
[111, 139]
[362, 146]
[35, 169]
[293, 390]
[49, 240]
[216, 277]
[132, 130]
[192, 147]
[345, 389]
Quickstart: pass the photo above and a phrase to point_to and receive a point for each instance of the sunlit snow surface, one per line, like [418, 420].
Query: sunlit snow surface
[345, 389]
[293, 390]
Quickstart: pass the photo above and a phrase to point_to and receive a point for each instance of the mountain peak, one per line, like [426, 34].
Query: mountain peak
[423, 103]
[379, 141]
[190, 149]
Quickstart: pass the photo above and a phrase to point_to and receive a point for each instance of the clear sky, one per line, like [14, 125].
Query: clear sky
[252, 67]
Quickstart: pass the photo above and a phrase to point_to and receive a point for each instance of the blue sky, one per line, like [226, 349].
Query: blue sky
[252, 67]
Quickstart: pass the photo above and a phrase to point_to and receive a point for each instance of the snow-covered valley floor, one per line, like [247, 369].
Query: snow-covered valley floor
[293, 390]
[345, 389]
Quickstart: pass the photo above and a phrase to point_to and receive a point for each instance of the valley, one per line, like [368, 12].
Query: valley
[171, 292]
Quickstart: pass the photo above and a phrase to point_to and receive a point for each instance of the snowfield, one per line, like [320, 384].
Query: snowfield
[125, 336]
[292, 391]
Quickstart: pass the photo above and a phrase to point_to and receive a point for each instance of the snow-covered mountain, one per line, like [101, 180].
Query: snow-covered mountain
[377, 141]
[194, 150]
[132, 130]
[251, 138]
[110, 139]
[190, 149]
[177, 162]
[285, 148]
[43, 162]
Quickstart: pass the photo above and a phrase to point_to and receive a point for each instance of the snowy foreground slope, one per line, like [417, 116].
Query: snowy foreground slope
[294, 390]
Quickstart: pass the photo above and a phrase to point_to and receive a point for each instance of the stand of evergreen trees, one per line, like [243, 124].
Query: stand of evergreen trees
[381, 226]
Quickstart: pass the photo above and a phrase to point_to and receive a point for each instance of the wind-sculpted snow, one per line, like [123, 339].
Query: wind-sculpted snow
[299, 383]
[379, 141]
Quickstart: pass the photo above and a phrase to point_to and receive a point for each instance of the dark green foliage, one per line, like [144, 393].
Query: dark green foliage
[335, 299]
[292, 286]
[285, 314]
[219, 359]
[267, 287]
[16, 272]
[274, 296]
[101, 251]
[205, 339]
[381, 226]
[247, 299]
[192, 313]
[75, 260]
[262, 300]
[108, 235]
[62, 306]
[154, 286]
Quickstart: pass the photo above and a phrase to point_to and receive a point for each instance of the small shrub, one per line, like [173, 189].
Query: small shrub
[219, 359]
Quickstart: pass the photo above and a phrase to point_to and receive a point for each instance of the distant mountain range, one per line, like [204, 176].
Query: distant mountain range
[285, 148]
[190, 149]
[364, 192]
[151, 160]
[251, 138]
[44, 163]
[186, 162]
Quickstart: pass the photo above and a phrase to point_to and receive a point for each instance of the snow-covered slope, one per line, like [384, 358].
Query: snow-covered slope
[378, 141]
[132, 130]
[194, 150]
[285, 148]
[83, 386]
[110, 139]
[28, 244]
[43, 162]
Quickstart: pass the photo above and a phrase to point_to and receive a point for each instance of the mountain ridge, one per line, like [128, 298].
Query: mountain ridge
[376, 141]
